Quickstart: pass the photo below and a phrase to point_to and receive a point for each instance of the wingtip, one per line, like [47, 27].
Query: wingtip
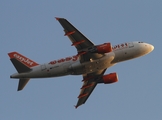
[19, 89]
[57, 18]
[75, 106]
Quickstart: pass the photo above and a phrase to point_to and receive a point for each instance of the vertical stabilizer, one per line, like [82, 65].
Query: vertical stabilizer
[21, 63]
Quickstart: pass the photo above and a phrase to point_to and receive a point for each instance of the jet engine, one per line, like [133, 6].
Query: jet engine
[103, 48]
[109, 78]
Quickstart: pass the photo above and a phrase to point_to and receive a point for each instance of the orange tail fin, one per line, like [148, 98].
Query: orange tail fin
[24, 60]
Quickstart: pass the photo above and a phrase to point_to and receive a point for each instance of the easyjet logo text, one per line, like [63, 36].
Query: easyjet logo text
[73, 58]
[120, 46]
[22, 59]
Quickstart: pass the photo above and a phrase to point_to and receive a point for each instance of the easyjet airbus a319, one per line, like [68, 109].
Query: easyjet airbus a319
[91, 61]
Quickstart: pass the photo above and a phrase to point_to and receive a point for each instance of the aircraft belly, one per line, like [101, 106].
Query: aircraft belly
[49, 71]
[98, 64]
[60, 70]
[76, 68]
[93, 65]
[125, 54]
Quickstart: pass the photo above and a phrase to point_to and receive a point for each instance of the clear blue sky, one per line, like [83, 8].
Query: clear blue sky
[29, 27]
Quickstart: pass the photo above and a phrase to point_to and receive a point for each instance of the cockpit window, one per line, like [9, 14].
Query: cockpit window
[140, 42]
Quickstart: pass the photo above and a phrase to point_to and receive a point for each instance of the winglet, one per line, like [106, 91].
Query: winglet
[57, 18]
[75, 106]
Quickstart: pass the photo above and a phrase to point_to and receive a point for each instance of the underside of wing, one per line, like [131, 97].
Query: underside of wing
[89, 83]
[87, 51]
[78, 40]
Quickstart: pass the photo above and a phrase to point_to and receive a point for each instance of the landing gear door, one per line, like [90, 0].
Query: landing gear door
[130, 44]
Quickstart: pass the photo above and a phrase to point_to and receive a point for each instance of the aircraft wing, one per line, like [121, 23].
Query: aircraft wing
[76, 37]
[89, 83]
[78, 40]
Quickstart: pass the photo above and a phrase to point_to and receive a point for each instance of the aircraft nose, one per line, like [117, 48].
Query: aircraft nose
[148, 48]
[145, 48]
[151, 47]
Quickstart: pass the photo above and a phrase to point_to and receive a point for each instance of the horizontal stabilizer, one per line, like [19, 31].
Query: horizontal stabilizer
[22, 83]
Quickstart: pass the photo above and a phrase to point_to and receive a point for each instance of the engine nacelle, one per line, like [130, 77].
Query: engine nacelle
[103, 48]
[109, 78]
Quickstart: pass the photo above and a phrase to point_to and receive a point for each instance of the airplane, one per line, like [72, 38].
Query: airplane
[91, 61]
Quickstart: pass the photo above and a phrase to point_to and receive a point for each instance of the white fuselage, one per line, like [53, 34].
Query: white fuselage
[72, 65]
